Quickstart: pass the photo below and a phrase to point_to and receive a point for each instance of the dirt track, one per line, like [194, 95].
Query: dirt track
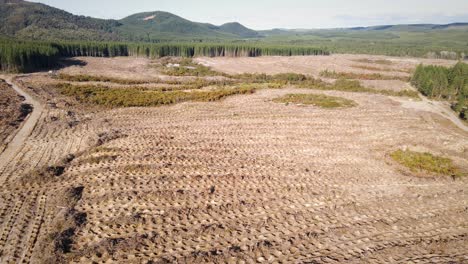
[242, 180]
[15, 145]
[10, 114]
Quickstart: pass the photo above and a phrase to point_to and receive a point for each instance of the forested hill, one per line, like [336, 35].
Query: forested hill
[158, 24]
[27, 20]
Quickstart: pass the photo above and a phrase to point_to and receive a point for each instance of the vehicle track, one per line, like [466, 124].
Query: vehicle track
[16, 144]
[243, 180]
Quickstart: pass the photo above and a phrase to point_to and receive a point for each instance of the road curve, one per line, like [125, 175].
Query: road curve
[26, 129]
[447, 113]
[435, 107]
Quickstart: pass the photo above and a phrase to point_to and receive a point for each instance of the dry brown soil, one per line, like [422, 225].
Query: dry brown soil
[242, 180]
[10, 116]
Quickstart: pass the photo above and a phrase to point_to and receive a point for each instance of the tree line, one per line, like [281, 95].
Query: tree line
[23, 56]
[444, 83]
[18, 56]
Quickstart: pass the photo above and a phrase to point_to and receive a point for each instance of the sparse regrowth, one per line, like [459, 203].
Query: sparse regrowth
[346, 85]
[376, 61]
[419, 162]
[379, 69]
[319, 100]
[360, 76]
[139, 97]
[186, 67]
[92, 78]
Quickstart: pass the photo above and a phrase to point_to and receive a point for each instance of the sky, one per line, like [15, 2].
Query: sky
[268, 14]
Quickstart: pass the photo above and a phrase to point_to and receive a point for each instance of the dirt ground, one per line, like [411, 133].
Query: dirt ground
[313, 65]
[10, 114]
[242, 180]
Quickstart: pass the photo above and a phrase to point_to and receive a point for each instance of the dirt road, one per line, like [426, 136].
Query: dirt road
[15, 145]
[434, 107]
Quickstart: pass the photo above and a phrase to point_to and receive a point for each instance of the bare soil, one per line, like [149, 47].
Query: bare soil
[313, 65]
[242, 180]
[10, 113]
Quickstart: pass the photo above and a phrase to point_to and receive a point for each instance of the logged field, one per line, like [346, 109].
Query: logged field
[397, 67]
[279, 174]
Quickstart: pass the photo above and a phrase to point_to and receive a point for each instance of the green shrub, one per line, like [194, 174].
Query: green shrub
[319, 100]
[135, 97]
[360, 76]
[378, 61]
[90, 78]
[425, 162]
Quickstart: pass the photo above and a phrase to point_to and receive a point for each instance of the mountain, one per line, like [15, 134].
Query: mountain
[29, 20]
[424, 28]
[239, 30]
[162, 24]
[415, 27]
[38, 21]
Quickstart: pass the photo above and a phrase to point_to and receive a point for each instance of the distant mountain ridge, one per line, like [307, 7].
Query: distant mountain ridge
[28, 20]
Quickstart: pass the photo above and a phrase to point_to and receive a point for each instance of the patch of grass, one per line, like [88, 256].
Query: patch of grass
[90, 78]
[360, 76]
[283, 78]
[425, 162]
[346, 85]
[140, 97]
[372, 68]
[186, 67]
[378, 61]
[319, 100]
[308, 82]
[402, 93]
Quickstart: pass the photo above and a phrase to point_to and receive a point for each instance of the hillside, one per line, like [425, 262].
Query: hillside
[158, 24]
[238, 29]
[27, 20]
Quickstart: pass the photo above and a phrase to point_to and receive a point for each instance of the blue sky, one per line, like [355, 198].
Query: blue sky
[264, 14]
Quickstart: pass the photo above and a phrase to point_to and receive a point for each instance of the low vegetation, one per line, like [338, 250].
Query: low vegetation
[346, 85]
[419, 162]
[139, 97]
[169, 85]
[378, 61]
[178, 91]
[444, 83]
[360, 76]
[91, 78]
[186, 67]
[319, 100]
[380, 69]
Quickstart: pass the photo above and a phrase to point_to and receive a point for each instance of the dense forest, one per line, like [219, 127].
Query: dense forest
[19, 56]
[444, 83]
[22, 56]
